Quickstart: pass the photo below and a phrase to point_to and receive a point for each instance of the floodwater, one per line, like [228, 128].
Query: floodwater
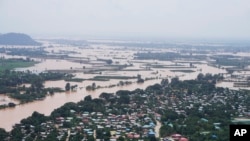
[4, 100]
[119, 56]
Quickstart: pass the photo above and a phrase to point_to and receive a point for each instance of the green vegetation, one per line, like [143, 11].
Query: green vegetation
[98, 79]
[33, 93]
[9, 64]
[108, 61]
[92, 87]
[230, 60]
[3, 134]
[35, 52]
[12, 84]
[167, 56]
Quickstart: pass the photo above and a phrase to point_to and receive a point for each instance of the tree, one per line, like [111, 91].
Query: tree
[200, 76]
[164, 82]
[29, 139]
[88, 98]
[124, 99]
[11, 104]
[175, 81]
[189, 92]
[106, 96]
[35, 119]
[88, 88]
[121, 83]
[121, 139]
[3, 134]
[109, 61]
[17, 135]
[52, 136]
[67, 87]
[138, 76]
[93, 86]
[73, 87]
[139, 79]
[152, 138]
[91, 138]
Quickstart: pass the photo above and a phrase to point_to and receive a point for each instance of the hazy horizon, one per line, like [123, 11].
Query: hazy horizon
[159, 19]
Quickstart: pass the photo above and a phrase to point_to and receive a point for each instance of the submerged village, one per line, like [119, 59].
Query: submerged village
[76, 90]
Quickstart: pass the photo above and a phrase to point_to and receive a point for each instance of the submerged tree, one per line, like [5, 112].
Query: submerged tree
[67, 87]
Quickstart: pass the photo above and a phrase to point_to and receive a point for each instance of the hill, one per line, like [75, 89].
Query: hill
[17, 39]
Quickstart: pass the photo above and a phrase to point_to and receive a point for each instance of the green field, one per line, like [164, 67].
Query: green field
[9, 64]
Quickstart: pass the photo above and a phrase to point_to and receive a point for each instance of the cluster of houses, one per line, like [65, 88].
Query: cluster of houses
[128, 126]
[226, 97]
[44, 130]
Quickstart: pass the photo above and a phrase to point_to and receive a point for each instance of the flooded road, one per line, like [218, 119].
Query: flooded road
[157, 129]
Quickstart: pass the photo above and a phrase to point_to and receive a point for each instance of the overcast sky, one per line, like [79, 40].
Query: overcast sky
[131, 18]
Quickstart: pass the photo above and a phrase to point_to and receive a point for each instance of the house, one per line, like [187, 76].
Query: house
[151, 133]
[176, 137]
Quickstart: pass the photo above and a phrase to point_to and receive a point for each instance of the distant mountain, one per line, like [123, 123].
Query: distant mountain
[17, 39]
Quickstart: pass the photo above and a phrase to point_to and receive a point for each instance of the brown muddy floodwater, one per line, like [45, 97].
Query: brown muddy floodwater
[6, 100]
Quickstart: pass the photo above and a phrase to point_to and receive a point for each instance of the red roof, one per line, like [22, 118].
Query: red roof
[132, 135]
[176, 136]
[183, 139]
